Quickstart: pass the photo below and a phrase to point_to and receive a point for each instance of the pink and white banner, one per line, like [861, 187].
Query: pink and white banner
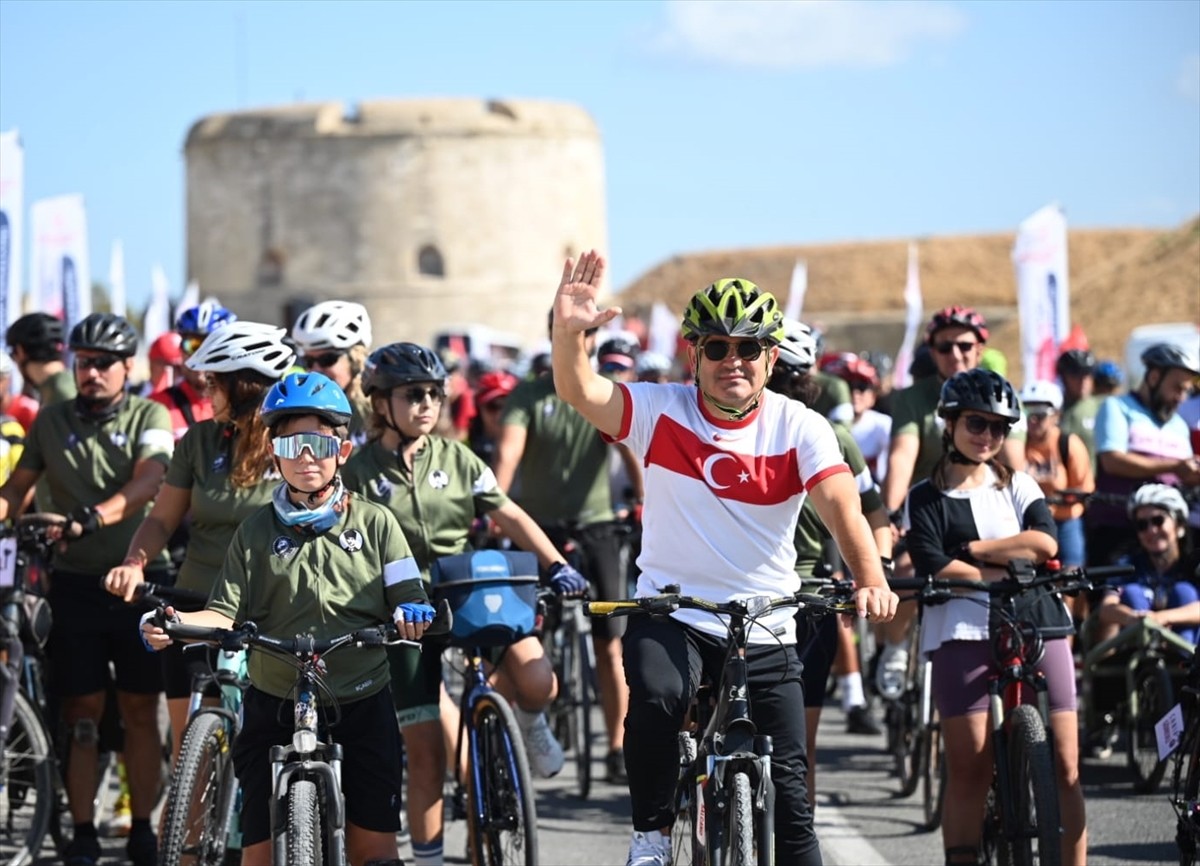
[12, 225]
[914, 307]
[60, 271]
[1043, 290]
[116, 278]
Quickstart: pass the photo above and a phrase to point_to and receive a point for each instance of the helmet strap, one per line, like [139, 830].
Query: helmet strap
[389, 422]
[729, 411]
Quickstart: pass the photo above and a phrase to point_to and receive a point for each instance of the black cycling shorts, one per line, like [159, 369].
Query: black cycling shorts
[598, 558]
[371, 768]
[93, 628]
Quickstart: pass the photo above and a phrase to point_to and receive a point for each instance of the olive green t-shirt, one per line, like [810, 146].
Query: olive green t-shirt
[914, 413]
[201, 465]
[83, 462]
[449, 487]
[564, 470]
[811, 533]
[1080, 419]
[833, 402]
[59, 387]
[289, 581]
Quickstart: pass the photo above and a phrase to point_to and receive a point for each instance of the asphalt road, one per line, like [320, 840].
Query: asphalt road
[860, 821]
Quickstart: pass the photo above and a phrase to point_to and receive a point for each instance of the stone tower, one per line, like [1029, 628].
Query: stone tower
[434, 213]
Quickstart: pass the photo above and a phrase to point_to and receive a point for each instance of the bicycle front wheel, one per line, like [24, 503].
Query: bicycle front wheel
[933, 774]
[196, 815]
[501, 816]
[740, 835]
[1187, 792]
[683, 842]
[1034, 831]
[1152, 696]
[29, 795]
[304, 824]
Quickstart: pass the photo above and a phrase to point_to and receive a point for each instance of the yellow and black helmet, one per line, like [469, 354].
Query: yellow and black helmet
[733, 308]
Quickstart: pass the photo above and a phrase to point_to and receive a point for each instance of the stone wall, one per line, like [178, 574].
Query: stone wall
[289, 206]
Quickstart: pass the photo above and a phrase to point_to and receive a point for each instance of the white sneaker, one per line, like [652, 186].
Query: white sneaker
[892, 669]
[544, 752]
[649, 849]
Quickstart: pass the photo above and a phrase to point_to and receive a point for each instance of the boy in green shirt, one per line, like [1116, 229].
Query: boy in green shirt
[318, 560]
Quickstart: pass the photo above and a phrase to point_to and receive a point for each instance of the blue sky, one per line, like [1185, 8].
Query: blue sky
[725, 124]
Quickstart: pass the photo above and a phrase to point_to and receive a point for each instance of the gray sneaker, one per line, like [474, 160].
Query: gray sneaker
[649, 849]
[544, 752]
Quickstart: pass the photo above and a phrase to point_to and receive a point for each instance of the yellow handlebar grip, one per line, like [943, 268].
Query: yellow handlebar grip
[602, 608]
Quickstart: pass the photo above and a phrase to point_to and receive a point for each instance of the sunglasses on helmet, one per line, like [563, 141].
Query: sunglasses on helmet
[319, 445]
[718, 350]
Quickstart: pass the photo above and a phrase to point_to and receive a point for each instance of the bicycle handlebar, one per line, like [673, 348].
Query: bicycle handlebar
[751, 608]
[931, 589]
[155, 595]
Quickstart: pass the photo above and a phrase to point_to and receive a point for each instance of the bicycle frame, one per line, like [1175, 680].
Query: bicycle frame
[1143, 640]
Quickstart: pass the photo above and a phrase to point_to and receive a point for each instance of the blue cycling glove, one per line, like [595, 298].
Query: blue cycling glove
[566, 580]
[413, 611]
[146, 617]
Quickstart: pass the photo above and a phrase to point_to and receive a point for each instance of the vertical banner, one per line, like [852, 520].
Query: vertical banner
[116, 278]
[664, 331]
[799, 288]
[158, 312]
[60, 271]
[12, 208]
[914, 308]
[191, 298]
[1043, 292]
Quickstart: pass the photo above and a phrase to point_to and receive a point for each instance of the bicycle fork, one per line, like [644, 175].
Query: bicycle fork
[1012, 695]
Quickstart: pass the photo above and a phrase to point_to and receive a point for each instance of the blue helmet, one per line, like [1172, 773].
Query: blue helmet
[203, 318]
[306, 394]
[1108, 373]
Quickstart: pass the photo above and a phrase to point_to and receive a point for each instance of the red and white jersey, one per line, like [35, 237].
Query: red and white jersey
[722, 497]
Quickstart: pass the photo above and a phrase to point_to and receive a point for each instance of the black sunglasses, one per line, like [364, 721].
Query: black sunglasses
[947, 346]
[327, 360]
[1156, 521]
[103, 363]
[977, 424]
[718, 350]
[417, 394]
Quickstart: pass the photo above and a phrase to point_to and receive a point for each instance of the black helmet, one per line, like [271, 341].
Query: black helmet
[1077, 362]
[105, 332]
[979, 390]
[39, 334]
[400, 364]
[619, 345]
[1167, 356]
[922, 365]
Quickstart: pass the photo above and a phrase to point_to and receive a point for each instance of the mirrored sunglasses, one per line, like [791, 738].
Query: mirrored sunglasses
[718, 350]
[103, 363]
[319, 445]
[326, 360]
[189, 345]
[977, 424]
[417, 394]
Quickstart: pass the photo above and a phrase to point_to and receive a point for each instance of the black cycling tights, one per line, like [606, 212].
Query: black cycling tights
[663, 662]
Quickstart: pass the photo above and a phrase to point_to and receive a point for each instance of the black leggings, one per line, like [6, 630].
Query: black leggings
[663, 664]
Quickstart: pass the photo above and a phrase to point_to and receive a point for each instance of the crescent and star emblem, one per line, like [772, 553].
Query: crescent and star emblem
[710, 463]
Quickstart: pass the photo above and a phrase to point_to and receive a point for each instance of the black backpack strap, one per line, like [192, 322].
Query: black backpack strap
[1064, 447]
[181, 401]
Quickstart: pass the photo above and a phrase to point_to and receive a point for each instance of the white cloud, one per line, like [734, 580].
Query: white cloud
[784, 34]
[1188, 81]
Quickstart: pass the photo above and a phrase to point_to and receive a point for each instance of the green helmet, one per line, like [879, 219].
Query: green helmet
[733, 308]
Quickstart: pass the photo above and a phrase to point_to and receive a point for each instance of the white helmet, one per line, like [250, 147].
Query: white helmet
[332, 325]
[652, 362]
[798, 348]
[244, 346]
[1161, 496]
[1041, 391]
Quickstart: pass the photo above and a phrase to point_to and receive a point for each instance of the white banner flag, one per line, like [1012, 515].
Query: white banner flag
[1043, 291]
[799, 287]
[664, 330]
[61, 274]
[158, 312]
[191, 298]
[914, 315]
[116, 278]
[12, 209]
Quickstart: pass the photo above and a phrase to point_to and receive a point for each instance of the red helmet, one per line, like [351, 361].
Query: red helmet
[494, 385]
[957, 317]
[851, 368]
[167, 349]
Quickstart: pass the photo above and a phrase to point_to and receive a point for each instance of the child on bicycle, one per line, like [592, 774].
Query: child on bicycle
[967, 520]
[1164, 585]
[318, 560]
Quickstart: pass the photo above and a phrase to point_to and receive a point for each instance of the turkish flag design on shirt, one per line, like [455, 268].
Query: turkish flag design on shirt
[758, 480]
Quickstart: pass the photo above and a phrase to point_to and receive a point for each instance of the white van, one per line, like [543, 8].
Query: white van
[1186, 335]
[480, 343]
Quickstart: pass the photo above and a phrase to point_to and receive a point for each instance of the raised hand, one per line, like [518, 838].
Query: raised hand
[575, 306]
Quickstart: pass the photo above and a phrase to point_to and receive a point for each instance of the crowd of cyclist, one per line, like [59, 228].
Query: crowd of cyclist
[257, 460]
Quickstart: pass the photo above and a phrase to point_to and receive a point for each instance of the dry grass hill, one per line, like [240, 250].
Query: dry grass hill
[1119, 278]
